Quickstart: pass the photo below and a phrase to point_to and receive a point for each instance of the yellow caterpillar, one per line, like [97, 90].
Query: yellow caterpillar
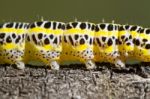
[53, 43]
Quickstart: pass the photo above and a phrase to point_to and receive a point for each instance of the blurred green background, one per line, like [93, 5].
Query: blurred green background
[122, 11]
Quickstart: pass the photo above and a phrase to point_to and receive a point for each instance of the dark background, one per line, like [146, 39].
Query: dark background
[122, 11]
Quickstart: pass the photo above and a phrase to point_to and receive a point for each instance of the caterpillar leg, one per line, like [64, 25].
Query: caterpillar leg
[54, 65]
[87, 55]
[90, 64]
[119, 63]
[20, 65]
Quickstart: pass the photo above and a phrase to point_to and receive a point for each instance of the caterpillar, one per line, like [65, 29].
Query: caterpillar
[53, 43]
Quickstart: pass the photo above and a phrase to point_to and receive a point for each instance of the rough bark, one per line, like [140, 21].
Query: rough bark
[74, 82]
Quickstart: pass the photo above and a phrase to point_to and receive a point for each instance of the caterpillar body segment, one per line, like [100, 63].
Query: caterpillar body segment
[78, 43]
[134, 42]
[44, 43]
[142, 45]
[127, 47]
[106, 44]
[12, 43]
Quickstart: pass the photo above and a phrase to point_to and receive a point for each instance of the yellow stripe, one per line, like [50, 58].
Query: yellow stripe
[83, 47]
[79, 31]
[106, 33]
[145, 36]
[9, 46]
[134, 34]
[10, 30]
[43, 30]
[122, 33]
[109, 49]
